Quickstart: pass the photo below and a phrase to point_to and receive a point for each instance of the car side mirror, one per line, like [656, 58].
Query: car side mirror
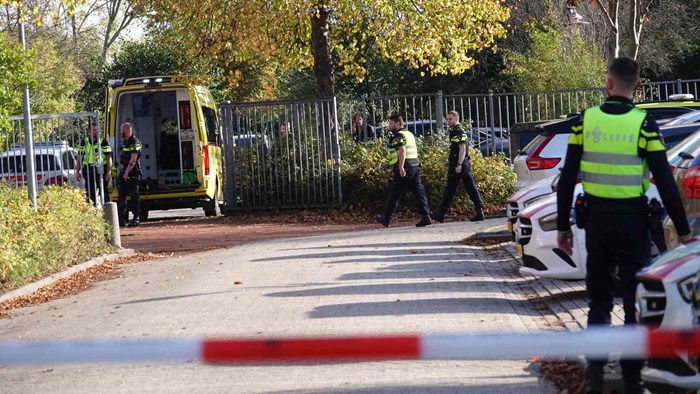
[686, 156]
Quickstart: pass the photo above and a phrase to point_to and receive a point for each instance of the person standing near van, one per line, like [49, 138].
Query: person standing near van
[459, 169]
[129, 176]
[615, 145]
[403, 157]
[88, 154]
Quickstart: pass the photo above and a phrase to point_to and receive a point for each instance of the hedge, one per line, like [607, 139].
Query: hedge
[366, 175]
[64, 231]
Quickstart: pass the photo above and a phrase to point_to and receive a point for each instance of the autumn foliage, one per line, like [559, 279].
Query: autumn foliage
[366, 176]
[64, 231]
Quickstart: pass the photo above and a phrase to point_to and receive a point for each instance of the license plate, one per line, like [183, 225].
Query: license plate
[519, 250]
[510, 226]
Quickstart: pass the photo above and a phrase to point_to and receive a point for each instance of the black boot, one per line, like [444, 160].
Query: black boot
[134, 222]
[439, 216]
[424, 221]
[595, 378]
[478, 217]
[383, 220]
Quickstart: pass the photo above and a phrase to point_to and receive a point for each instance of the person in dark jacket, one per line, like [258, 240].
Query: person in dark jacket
[129, 176]
[459, 169]
[360, 131]
[614, 145]
[96, 178]
[403, 157]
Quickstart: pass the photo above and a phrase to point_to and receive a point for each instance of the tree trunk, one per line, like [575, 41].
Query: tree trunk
[323, 63]
[74, 29]
[638, 13]
[614, 42]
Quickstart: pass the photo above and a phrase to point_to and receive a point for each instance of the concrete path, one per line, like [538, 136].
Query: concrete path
[403, 280]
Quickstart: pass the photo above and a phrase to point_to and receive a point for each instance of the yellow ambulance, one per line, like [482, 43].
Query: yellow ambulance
[177, 123]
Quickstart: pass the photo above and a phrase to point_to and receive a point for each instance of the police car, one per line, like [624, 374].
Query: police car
[546, 153]
[54, 164]
[527, 196]
[536, 240]
[663, 301]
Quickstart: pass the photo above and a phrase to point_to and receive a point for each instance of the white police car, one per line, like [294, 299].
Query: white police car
[54, 164]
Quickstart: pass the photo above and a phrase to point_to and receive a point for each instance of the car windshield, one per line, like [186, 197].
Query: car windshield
[16, 163]
[690, 117]
[661, 113]
[689, 144]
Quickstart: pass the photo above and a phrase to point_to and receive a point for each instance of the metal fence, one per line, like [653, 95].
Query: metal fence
[286, 154]
[282, 154]
[487, 117]
[56, 141]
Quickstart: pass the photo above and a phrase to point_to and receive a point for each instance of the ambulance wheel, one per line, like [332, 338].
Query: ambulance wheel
[213, 207]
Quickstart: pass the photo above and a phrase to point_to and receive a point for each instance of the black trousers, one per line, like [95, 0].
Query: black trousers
[92, 179]
[400, 184]
[453, 179]
[618, 246]
[130, 188]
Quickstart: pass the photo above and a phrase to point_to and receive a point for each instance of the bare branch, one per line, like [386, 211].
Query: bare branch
[608, 18]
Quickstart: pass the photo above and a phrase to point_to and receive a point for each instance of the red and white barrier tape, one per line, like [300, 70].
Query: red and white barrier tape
[634, 342]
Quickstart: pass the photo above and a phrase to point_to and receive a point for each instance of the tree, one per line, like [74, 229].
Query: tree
[556, 61]
[118, 19]
[133, 60]
[637, 16]
[83, 22]
[237, 36]
[15, 71]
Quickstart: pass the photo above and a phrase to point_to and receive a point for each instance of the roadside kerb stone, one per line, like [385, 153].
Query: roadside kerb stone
[34, 286]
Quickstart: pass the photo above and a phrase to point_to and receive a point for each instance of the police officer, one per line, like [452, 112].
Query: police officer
[614, 145]
[129, 176]
[88, 155]
[459, 169]
[403, 157]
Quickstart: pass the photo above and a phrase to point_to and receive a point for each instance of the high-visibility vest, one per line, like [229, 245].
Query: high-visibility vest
[89, 151]
[611, 166]
[411, 148]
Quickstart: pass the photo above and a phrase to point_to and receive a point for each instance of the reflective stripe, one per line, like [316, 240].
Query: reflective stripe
[610, 165]
[613, 180]
[611, 158]
[87, 152]
[411, 148]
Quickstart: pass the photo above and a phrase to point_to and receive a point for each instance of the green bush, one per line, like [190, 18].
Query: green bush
[366, 175]
[64, 231]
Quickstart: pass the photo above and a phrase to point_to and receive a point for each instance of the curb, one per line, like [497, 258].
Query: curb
[34, 286]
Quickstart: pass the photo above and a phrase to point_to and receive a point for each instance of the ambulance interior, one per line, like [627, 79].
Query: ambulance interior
[164, 123]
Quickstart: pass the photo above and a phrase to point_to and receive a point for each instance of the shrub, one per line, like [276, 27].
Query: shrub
[366, 175]
[64, 231]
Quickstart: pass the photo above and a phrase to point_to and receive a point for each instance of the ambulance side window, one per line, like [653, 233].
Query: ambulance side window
[212, 126]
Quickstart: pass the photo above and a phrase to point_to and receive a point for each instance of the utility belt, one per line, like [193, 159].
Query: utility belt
[588, 205]
[464, 163]
[409, 163]
[134, 173]
[94, 167]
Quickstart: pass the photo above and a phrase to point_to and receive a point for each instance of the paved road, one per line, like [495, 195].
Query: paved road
[400, 280]
[176, 214]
